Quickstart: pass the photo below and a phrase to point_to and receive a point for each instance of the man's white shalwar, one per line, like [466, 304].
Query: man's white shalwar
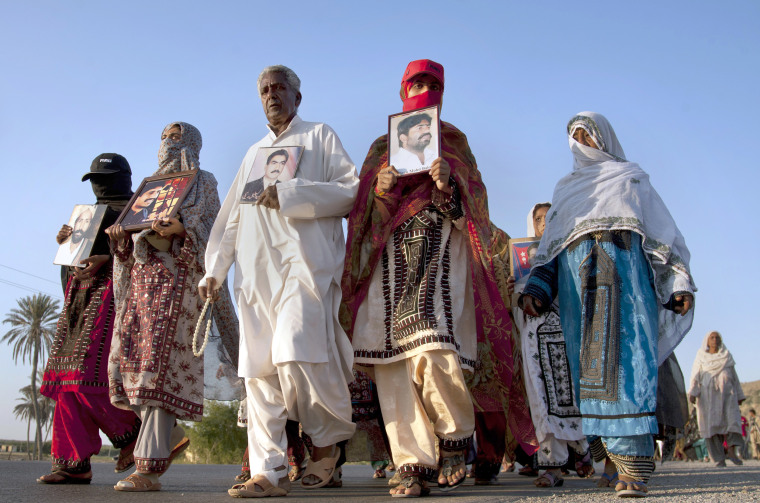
[288, 262]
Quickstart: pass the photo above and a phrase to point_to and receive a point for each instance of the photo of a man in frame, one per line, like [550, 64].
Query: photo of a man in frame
[280, 166]
[418, 147]
[81, 234]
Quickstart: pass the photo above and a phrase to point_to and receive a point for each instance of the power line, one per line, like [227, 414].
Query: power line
[28, 274]
[30, 289]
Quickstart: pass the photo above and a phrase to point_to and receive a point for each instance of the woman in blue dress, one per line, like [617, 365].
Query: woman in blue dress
[619, 267]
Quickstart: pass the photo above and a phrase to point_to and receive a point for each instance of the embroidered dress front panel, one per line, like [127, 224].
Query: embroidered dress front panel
[83, 338]
[548, 380]
[420, 296]
[155, 356]
[608, 309]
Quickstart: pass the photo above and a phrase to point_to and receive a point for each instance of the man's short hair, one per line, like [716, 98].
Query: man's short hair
[282, 151]
[290, 76]
[409, 122]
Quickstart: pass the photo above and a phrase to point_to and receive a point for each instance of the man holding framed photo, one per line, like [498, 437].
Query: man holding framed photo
[420, 299]
[288, 253]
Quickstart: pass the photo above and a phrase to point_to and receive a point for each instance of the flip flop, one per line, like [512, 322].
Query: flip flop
[607, 480]
[67, 478]
[631, 489]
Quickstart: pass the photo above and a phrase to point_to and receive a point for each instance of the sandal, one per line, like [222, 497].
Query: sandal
[65, 478]
[260, 487]
[323, 470]
[243, 476]
[607, 480]
[527, 471]
[632, 489]
[407, 483]
[295, 473]
[548, 479]
[379, 474]
[585, 467]
[449, 466]
[126, 458]
[139, 484]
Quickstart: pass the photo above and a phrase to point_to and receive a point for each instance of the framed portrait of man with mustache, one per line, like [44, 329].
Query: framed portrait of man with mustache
[414, 139]
[271, 166]
[158, 197]
[85, 221]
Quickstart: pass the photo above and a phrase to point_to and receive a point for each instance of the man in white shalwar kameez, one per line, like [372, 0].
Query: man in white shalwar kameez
[288, 251]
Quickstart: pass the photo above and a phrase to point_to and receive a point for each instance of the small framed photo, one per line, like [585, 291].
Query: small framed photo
[522, 251]
[85, 221]
[414, 139]
[158, 197]
[271, 165]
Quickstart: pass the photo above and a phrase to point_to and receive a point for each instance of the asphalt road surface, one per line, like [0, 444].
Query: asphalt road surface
[672, 482]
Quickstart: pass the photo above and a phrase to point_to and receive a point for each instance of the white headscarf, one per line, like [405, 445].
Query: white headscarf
[531, 227]
[605, 192]
[711, 363]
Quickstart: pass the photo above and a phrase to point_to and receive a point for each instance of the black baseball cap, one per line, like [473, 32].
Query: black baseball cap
[108, 164]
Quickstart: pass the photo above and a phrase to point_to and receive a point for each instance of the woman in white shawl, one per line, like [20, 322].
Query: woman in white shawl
[717, 393]
[618, 265]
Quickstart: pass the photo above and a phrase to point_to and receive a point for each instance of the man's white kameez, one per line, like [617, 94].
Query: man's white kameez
[288, 264]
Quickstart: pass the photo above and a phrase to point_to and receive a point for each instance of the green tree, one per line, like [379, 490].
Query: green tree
[25, 411]
[217, 439]
[33, 327]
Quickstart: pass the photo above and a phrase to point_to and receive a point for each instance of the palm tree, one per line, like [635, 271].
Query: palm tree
[33, 325]
[25, 410]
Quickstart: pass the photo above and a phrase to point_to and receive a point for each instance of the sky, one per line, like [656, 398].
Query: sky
[678, 81]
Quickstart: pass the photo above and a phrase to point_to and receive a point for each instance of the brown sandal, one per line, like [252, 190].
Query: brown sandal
[407, 482]
[260, 487]
[139, 484]
[450, 465]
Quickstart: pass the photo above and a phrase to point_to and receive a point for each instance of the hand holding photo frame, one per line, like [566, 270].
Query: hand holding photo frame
[414, 139]
[522, 251]
[158, 197]
[271, 165]
[85, 222]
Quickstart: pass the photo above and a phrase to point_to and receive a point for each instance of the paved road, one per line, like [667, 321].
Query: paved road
[673, 482]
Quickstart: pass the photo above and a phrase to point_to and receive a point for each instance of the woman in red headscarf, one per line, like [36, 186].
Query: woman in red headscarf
[421, 303]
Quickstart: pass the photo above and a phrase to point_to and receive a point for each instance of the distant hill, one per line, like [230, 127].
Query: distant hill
[752, 392]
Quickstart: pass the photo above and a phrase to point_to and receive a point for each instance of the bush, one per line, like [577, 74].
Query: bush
[217, 439]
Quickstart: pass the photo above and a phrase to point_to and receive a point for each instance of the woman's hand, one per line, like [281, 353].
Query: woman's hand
[94, 264]
[440, 171]
[63, 234]
[684, 303]
[529, 304]
[166, 227]
[117, 234]
[386, 180]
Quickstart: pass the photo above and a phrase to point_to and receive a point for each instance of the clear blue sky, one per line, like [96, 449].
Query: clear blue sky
[678, 81]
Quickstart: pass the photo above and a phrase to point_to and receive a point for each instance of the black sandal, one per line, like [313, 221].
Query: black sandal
[447, 470]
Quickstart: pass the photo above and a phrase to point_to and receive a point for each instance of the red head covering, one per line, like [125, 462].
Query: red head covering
[427, 99]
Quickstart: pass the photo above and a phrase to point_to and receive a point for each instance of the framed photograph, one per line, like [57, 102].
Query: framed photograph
[85, 221]
[271, 165]
[158, 197]
[522, 251]
[414, 139]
